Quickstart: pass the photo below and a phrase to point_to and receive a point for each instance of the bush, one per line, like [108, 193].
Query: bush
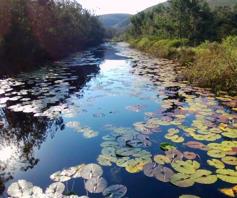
[215, 66]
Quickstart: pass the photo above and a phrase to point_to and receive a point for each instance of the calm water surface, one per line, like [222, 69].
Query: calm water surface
[113, 92]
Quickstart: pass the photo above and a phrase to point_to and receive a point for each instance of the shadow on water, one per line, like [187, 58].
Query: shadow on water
[31, 106]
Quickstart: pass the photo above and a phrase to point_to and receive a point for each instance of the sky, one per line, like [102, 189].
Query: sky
[117, 6]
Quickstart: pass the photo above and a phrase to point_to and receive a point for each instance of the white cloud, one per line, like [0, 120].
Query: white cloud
[117, 6]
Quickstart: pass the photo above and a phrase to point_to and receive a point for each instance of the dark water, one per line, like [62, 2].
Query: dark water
[106, 90]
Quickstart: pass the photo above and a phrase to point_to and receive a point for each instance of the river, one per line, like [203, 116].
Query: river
[114, 106]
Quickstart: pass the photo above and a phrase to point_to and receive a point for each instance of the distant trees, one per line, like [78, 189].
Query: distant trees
[189, 19]
[34, 30]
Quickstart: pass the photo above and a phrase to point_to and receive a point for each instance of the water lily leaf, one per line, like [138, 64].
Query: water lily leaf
[174, 155]
[135, 165]
[216, 163]
[181, 180]
[163, 174]
[230, 160]
[185, 167]
[17, 189]
[104, 160]
[115, 191]
[195, 145]
[91, 171]
[162, 159]
[189, 155]
[96, 185]
[204, 177]
[55, 189]
[188, 196]
[216, 153]
[166, 146]
[227, 175]
[149, 169]
[230, 192]
[78, 169]
[122, 162]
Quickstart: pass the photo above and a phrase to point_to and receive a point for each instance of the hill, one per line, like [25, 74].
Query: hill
[115, 21]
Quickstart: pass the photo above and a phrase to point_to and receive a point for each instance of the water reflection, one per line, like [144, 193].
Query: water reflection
[32, 104]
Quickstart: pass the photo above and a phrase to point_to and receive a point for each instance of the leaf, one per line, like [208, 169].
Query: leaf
[149, 169]
[195, 145]
[91, 171]
[55, 189]
[188, 196]
[230, 160]
[115, 191]
[17, 189]
[228, 192]
[96, 185]
[227, 175]
[181, 180]
[185, 167]
[216, 153]
[163, 174]
[204, 177]
[161, 159]
[189, 155]
[166, 146]
[216, 163]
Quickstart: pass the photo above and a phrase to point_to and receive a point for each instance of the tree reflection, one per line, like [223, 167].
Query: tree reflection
[21, 133]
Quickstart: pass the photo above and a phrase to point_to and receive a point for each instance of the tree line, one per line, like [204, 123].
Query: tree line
[190, 19]
[32, 31]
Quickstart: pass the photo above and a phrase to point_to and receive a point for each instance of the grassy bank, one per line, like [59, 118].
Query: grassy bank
[211, 64]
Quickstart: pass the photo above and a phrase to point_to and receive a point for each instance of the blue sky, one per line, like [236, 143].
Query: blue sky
[117, 6]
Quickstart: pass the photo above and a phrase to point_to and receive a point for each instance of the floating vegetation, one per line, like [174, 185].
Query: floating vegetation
[180, 135]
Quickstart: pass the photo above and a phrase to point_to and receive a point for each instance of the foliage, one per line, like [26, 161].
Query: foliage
[44, 29]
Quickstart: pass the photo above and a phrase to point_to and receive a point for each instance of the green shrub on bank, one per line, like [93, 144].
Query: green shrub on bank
[211, 64]
[215, 65]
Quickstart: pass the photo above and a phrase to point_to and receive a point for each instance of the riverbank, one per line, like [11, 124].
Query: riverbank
[210, 64]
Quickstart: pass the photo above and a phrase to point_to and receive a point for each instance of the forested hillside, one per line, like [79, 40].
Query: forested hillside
[202, 38]
[115, 20]
[34, 31]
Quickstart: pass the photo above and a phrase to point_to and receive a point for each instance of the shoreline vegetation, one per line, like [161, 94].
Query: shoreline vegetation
[199, 38]
[34, 32]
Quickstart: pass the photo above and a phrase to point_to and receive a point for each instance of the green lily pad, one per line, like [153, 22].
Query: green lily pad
[216, 163]
[182, 180]
[204, 177]
[230, 160]
[185, 167]
[216, 153]
[188, 196]
[161, 159]
[227, 175]
[166, 146]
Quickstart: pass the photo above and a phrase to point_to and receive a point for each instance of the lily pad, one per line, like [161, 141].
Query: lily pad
[216, 163]
[189, 155]
[182, 180]
[163, 174]
[162, 159]
[96, 185]
[185, 167]
[230, 160]
[18, 188]
[216, 153]
[115, 191]
[149, 169]
[204, 177]
[91, 171]
[55, 189]
[227, 175]
[165, 146]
